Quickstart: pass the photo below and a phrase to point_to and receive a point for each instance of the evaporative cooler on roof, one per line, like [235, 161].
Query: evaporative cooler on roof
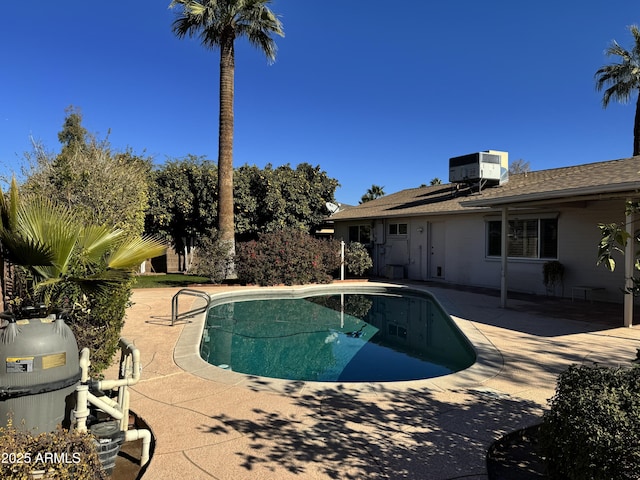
[485, 168]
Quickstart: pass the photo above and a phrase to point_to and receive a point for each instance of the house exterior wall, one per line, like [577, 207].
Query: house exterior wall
[453, 249]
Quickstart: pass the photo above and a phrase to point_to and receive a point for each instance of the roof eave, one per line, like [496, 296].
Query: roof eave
[630, 188]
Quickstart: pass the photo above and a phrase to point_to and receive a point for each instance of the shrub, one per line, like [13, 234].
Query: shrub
[61, 454]
[357, 259]
[287, 256]
[211, 257]
[97, 323]
[592, 429]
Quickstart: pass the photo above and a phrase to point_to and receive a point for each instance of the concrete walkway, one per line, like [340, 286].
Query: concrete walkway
[208, 426]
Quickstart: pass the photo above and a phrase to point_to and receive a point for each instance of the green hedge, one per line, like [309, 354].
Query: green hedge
[592, 429]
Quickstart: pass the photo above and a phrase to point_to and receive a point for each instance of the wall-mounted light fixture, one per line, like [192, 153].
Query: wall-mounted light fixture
[420, 229]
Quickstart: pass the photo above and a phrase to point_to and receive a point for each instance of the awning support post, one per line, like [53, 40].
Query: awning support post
[629, 268]
[503, 253]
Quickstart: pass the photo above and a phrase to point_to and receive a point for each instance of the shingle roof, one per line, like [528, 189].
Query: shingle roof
[610, 177]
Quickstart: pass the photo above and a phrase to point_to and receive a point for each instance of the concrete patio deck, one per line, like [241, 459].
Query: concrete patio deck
[209, 427]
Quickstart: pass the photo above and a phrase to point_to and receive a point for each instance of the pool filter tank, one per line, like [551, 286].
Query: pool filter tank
[39, 372]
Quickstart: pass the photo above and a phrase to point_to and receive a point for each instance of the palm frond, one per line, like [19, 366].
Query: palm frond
[212, 21]
[14, 202]
[622, 79]
[95, 241]
[101, 283]
[25, 252]
[133, 252]
[46, 223]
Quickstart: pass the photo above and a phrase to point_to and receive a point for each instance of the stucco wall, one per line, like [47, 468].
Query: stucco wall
[465, 261]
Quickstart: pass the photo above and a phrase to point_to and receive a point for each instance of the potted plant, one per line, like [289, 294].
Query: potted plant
[553, 275]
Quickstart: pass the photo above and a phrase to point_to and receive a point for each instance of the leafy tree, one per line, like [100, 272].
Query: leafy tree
[376, 191]
[435, 181]
[621, 81]
[101, 186]
[183, 198]
[275, 198]
[519, 166]
[182, 203]
[218, 24]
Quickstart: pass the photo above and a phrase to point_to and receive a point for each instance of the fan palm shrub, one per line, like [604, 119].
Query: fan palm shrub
[63, 263]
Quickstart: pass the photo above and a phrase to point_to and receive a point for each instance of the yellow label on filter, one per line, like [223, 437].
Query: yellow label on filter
[19, 364]
[19, 359]
[54, 360]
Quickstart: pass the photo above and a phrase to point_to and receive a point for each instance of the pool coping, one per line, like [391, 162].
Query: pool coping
[489, 361]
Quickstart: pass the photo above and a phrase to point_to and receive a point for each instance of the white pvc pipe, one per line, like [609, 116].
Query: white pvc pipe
[81, 413]
[119, 410]
[104, 406]
[129, 347]
[145, 435]
[84, 364]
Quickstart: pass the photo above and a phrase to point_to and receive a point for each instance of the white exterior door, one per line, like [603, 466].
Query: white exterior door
[437, 247]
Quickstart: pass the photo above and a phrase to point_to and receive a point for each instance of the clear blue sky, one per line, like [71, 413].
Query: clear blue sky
[373, 92]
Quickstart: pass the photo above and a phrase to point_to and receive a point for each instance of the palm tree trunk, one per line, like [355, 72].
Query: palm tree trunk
[636, 129]
[225, 145]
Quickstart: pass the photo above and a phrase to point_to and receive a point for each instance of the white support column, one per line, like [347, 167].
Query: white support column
[504, 249]
[342, 260]
[629, 269]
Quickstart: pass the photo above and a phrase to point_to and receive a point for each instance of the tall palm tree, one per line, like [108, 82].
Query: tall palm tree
[217, 23]
[622, 80]
[376, 191]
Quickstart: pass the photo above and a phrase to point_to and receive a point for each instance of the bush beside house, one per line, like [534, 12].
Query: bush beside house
[287, 256]
[357, 259]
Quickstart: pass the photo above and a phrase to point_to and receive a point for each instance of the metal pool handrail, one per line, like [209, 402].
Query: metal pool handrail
[175, 316]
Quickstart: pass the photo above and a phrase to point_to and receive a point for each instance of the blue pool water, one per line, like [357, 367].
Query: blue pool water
[338, 337]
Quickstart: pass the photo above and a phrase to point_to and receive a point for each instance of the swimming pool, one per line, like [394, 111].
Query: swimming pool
[359, 336]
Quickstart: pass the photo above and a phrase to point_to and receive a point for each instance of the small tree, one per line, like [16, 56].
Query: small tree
[182, 203]
[102, 186]
[519, 166]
